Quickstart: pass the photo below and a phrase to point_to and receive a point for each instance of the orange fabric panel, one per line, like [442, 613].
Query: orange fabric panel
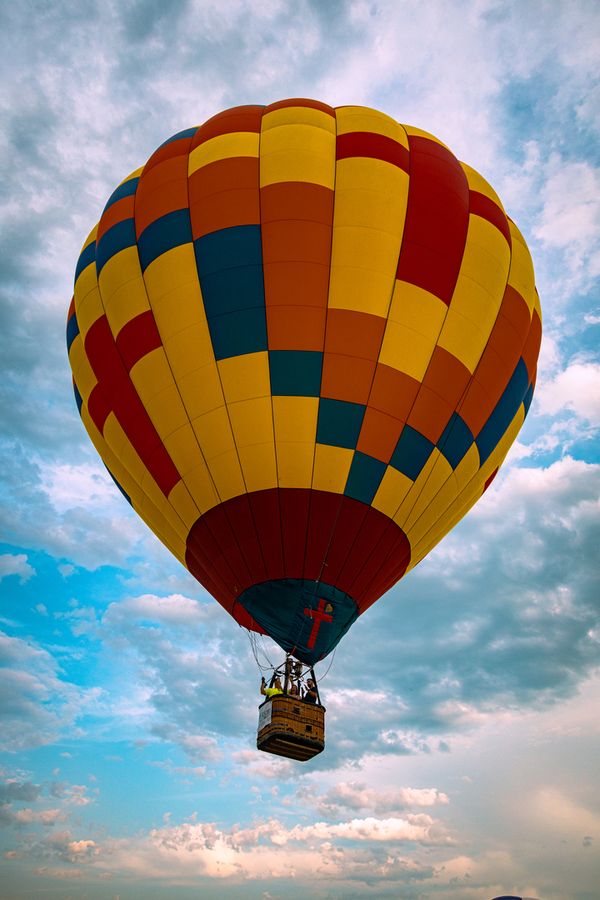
[430, 414]
[379, 434]
[354, 333]
[346, 378]
[393, 391]
[239, 118]
[312, 202]
[293, 283]
[447, 376]
[295, 327]
[289, 239]
[122, 209]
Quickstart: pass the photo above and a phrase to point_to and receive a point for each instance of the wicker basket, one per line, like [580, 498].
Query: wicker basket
[291, 727]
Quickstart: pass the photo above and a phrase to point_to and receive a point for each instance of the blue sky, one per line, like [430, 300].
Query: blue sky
[463, 738]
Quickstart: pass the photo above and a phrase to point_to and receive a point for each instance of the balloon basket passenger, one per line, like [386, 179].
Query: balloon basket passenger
[291, 720]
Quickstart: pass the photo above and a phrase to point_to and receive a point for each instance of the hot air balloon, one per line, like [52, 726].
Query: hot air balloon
[302, 341]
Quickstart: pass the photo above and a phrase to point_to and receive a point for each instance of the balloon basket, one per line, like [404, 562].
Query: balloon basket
[291, 727]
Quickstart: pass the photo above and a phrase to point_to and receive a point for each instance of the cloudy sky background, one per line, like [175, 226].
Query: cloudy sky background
[463, 735]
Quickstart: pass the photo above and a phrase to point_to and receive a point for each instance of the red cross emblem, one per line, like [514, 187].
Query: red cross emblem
[321, 614]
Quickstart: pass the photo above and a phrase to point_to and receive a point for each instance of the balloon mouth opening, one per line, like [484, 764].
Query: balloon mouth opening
[306, 618]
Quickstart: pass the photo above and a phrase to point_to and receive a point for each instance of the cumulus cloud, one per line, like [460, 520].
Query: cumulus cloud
[36, 703]
[15, 564]
[575, 389]
[358, 796]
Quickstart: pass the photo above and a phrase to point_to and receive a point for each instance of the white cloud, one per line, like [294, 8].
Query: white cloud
[570, 215]
[15, 564]
[36, 704]
[575, 389]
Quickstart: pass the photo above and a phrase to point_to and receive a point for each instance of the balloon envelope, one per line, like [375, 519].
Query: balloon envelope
[303, 340]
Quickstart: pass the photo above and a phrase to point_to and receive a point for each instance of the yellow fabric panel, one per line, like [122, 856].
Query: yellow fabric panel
[200, 485]
[88, 309]
[297, 153]
[417, 309]
[120, 446]
[153, 381]
[189, 350]
[174, 293]
[362, 118]
[246, 376]
[331, 468]
[295, 418]
[173, 541]
[135, 174]
[467, 468]
[298, 115]
[214, 434]
[182, 447]
[478, 183]
[224, 146]
[406, 350]
[418, 132]
[251, 421]
[171, 271]
[122, 288]
[227, 475]
[182, 502]
[521, 269]
[393, 488]
[182, 309]
[405, 507]
[370, 208]
[295, 464]
[89, 273]
[440, 472]
[258, 466]
[470, 493]
[478, 293]
[439, 525]
[140, 502]
[126, 302]
[165, 408]
[81, 368]
[358, 289]
[463, 339]
[85, 283]
[486, 262]
[201, 390]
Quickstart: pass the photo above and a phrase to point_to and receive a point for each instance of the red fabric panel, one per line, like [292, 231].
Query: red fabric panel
[437, 218]
[294, 505]
[267, 518]
[226, 537]
[116, 391]
[364, 551]
[239, 514]
[324, 510]
[348, 525]
[374, 146]
[138, 337]
[393, 566]
[483, 206]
